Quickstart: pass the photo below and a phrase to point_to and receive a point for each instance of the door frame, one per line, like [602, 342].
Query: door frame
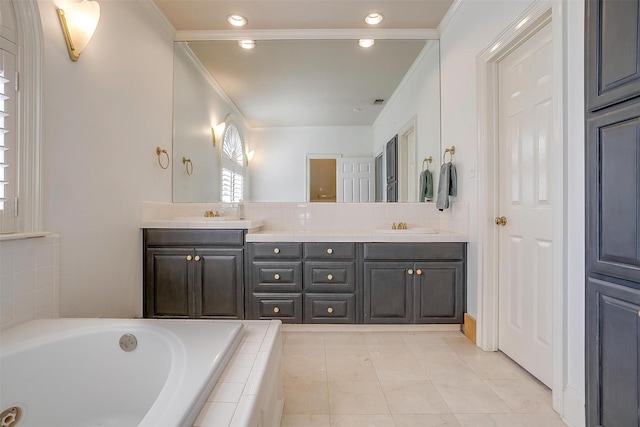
[527, 23]
[405, 151]
[307, 181]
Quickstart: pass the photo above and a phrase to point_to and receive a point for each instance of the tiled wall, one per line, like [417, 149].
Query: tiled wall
[324, 216]
[29, 279]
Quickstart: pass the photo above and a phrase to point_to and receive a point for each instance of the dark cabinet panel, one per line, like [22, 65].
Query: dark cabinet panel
[414, 251]
[329, 250]
[388, 291]
[168, 288]
[329, 276]
[219, 283]
[613, 52]
[612, 342]
[438, 292]
[283, 276]
[286, 307]
[275, 250]
[329, 308]
[613, 188]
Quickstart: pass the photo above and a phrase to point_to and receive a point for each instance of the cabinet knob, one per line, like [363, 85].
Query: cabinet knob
[329, 276]
[276, 276]
[330, 310]
[329, 251]
[189, 257]
[410, 271]
[276, 250]
[418, 272]
[197, 258]
[276, 310]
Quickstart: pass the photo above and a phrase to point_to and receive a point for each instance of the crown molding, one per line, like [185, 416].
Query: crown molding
[390, 34]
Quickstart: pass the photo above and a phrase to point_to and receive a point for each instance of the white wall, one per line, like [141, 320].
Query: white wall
[278, 169]
[197, 107]
[102, 120]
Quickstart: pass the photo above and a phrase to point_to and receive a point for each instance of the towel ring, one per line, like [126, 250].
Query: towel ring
[159, 151]
[451, 152]
[188, 165]
[427, 161]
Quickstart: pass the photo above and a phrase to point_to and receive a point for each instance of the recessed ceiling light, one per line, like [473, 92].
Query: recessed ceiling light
[247, 44]
[237, 20]
[366, 42]
[374, 18]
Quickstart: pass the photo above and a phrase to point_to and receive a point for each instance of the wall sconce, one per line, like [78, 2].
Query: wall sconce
[217, 132]
[79, 22]
[250, 155]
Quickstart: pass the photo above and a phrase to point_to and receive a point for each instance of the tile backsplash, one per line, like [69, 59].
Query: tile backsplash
[315, 217]
[29, 279]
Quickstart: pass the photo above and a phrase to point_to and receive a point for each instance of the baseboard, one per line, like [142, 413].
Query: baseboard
[573, 408]
[469, 327]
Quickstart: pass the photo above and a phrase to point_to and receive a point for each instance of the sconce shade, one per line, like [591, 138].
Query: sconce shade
[79, 22]
[250, 155]
[217, 132]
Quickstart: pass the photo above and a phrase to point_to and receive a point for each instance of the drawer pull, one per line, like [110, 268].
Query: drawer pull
[276, 276]
[330, 277]
[329, 251]
[276, 250]
[330, 310]
[276, 310]
[418, 272]
[410, 271]
[197, 258]
[189, 257]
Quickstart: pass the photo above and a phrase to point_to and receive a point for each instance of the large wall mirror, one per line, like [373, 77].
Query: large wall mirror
[296, 101]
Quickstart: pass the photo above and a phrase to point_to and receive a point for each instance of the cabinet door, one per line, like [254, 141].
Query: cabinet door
[218, 283]
[329, 308]
[388, 291]
[439, 292]
[168, 290]
[613, 333]
[612, 52]
[286, 307]
[320, 276]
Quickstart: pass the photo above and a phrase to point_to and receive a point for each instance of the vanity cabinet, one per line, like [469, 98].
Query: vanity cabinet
[414, 282]
[193, 273]
[303, 282]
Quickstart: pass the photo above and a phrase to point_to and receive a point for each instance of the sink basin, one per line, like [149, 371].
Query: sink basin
[415, 230]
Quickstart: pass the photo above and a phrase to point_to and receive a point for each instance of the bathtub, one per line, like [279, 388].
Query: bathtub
[73, 372]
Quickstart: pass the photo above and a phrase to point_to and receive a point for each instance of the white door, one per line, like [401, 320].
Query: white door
[356, 179]
[526, 194]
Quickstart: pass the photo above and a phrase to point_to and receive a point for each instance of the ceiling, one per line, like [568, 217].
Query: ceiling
[298, 82]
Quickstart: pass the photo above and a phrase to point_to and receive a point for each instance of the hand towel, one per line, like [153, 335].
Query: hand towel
[426, 187]
[447, 185]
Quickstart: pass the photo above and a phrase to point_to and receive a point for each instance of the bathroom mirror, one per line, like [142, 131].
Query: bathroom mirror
[291, 99]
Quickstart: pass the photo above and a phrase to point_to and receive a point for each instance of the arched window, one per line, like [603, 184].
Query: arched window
[233, 165]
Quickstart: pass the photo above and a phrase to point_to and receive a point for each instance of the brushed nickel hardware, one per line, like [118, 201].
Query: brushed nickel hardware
[10, 416]
[160, 151]
[330, 277]
[197, 258]
[329, 251]
[501, 220]
[128, 342]
[410, 271]
[428, 161]
[276, 310]
[189, 257]
[418, 272]
[188, 164]
[276, 251]
[451, 151]
[329, 310]
[276, 276]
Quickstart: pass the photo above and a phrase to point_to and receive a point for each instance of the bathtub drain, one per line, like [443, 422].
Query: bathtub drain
[128, 342]
[10, 417]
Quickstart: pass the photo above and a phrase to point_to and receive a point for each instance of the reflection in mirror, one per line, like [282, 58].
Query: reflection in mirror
[293, 98]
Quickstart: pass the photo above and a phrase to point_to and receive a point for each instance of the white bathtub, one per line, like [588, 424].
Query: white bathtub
[72, 372]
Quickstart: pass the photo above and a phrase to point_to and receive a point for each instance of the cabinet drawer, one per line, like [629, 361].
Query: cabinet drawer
[324, 308]
[276, 250]
[329, 276]
[277, 276]
[330, 250]
[286, 307]
[182, 237]
[414, 251]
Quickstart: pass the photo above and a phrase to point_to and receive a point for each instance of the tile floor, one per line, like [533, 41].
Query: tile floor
[406, 379]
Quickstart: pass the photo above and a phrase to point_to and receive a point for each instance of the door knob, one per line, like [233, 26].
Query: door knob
[501, 220]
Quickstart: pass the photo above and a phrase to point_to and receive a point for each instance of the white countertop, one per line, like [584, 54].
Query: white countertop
[205, 223]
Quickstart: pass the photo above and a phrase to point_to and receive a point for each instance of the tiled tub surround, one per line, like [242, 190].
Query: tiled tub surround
[317, 221]
[29, 279]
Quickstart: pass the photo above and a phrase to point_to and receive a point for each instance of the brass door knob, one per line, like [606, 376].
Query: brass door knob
[410, 271]
[276, 251]
[330, 277]
[197, 258]
[501, 220]
[418, 272]
[276, 276]
[276, 310]
[329, 310]
[189, 257]
[329, 251]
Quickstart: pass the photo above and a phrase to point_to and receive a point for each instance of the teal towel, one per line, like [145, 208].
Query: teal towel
[447, 185]
[426, 187]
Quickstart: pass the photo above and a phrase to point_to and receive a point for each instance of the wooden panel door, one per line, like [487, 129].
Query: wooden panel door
[219, 281]
[356, 179]
[391, 156]
[388, 292]
[168, 290]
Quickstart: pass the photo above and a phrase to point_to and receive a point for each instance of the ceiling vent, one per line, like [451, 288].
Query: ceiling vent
[378, 101]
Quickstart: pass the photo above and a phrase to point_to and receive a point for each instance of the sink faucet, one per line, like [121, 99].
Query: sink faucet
[211, 214]
[400, 226]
